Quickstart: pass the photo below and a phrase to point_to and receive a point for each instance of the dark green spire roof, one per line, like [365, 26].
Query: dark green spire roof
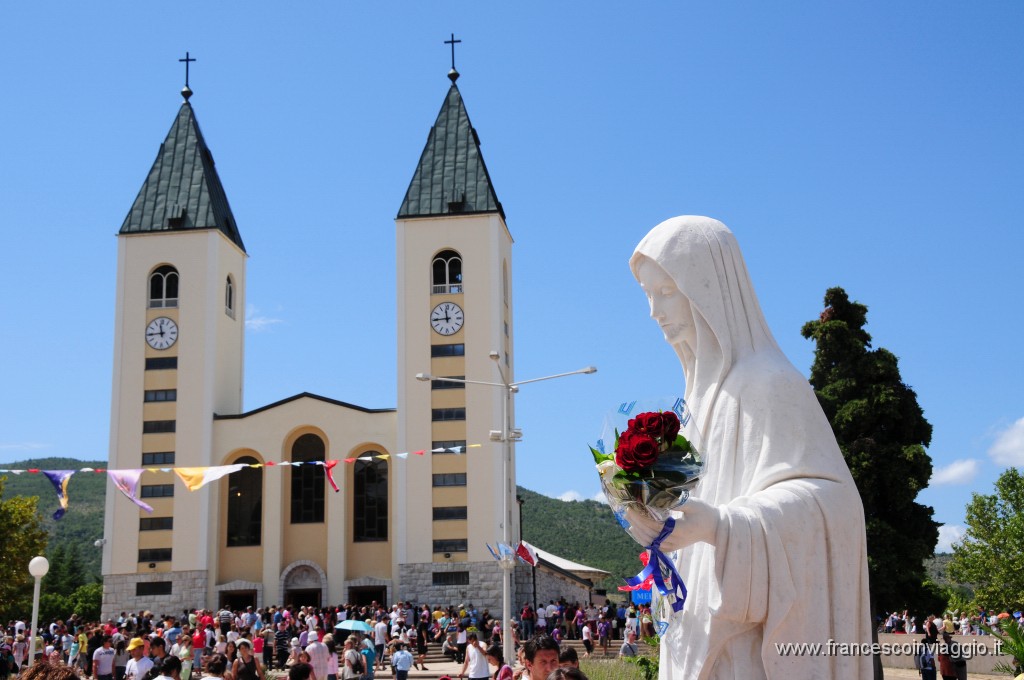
[182, 190]
[451, 177]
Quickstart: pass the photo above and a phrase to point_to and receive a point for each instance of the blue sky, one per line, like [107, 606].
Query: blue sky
[876, 146]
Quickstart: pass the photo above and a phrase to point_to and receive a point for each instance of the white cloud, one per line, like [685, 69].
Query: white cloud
[1008, 448]
[23, 446]
[571, 496]
[256, 322]
[958, 472]
[600, 497]
[948, 535]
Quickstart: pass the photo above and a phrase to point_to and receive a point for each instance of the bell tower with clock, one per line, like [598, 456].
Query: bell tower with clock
[454, 257]
[178, 346]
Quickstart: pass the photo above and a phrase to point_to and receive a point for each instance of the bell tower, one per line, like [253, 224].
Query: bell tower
[178, 347]
[454, 260]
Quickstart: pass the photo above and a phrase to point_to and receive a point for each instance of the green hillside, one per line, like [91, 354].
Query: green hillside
[83, 523]
[581, 531]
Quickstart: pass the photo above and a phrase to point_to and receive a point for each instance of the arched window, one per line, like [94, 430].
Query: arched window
[308, 485]
[370, 499]
[446, 273]
[163, 287]
[245, 505]
[229, 298]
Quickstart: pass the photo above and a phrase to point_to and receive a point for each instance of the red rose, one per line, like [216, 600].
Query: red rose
[636, 451]
[649, 424]
[671, 423]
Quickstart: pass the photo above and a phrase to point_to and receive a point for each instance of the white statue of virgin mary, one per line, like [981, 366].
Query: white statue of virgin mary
[771, 543]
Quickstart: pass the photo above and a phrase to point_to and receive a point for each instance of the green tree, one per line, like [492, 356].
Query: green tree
[21, 538]
[66, 572]
[87, 600]
[882, 433]
[990, 555]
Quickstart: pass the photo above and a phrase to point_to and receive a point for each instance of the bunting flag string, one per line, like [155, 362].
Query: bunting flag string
[127, 480]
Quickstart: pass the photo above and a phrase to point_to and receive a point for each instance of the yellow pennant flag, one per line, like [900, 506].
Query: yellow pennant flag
[196, 478]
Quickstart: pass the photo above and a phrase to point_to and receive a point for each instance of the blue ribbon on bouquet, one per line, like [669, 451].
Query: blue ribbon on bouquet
[654, 565]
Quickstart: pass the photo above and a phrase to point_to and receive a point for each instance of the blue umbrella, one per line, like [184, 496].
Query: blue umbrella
[354, 624]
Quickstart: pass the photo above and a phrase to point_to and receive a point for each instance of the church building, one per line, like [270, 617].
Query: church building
[272, 533]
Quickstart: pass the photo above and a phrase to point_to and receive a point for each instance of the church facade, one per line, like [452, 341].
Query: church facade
[414, 528]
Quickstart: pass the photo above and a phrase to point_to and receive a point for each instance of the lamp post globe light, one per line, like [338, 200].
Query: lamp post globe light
[38, 567]
[507, 435]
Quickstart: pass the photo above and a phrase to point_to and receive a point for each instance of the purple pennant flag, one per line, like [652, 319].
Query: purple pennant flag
[59, 479]
[127, 482]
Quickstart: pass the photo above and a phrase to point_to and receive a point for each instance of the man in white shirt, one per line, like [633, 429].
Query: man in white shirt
[475, 666]
[139, 664]
[319, 656]
[103, 661]
[380, 640]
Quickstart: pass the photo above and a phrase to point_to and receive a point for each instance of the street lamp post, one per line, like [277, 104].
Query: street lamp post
[507, 435]
[38, 567]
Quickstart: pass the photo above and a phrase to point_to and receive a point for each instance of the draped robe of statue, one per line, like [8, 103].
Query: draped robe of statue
[788, 563]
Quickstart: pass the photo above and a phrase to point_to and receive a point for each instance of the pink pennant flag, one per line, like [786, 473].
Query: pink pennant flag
[329, 470]
[127, 482]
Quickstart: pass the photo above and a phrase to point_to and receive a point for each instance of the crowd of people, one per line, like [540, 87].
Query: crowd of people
[312, 643]
[952, 622]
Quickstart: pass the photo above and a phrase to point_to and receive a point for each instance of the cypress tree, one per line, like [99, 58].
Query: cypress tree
[882, 433]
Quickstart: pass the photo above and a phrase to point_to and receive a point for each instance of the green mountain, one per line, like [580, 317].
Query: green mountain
[83, 524]
[581, 531]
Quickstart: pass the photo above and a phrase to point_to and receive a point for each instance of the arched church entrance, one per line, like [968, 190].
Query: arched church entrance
[303, 584]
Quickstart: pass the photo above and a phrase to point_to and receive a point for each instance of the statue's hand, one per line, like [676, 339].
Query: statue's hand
[699, 523]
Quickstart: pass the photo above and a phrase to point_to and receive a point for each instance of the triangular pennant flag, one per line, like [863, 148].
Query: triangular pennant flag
[384, 456]
[403, 456]
[474, 446]
[197, 477]
[329, 471]
[418, 453]
[127, 482]
[350, 460]
[59, 479]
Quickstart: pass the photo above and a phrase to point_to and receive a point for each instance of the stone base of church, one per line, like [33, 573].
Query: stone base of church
[483, 589]
[543, 584]
[188, 590]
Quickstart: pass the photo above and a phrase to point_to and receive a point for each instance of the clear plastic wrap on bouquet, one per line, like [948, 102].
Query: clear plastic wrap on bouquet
[672, 472]
[649, 461]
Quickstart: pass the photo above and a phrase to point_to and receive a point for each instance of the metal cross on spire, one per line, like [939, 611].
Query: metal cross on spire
[453, 75]
[186, 91]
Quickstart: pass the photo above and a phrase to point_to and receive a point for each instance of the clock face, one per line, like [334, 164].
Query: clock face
[161, 332]
[446, 318]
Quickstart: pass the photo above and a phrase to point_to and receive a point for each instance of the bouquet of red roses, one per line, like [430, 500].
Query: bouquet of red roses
[653, 467]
